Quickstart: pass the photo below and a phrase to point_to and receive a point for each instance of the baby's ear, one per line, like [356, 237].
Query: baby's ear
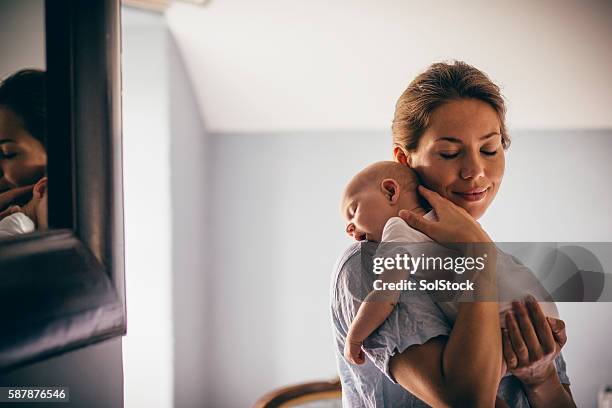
[391, 189]
[40, 188]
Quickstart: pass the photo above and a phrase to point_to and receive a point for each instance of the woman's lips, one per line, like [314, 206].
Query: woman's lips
[475, 194]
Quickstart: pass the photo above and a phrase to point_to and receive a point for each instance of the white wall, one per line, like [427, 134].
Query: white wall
[148, 359]
[277, 229]
[165, 168]
[282, 65]
[189, 178]
[22, 35]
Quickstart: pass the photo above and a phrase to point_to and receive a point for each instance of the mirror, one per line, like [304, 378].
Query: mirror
[23, 156]
[61, 255]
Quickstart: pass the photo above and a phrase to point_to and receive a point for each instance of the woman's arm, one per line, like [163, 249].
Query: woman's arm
[459, 370]
[531, 343]
[462, 369]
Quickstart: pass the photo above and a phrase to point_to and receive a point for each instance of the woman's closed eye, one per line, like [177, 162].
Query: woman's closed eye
[6, 155]
[448, 155]
[491, 149]
[452, 155]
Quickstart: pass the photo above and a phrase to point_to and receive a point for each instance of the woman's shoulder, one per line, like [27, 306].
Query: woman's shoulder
[355, 257]
[349, 273]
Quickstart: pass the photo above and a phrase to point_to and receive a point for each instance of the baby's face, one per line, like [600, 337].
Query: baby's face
[366, 211]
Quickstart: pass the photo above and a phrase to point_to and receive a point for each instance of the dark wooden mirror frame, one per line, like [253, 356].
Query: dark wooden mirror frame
[64, 288]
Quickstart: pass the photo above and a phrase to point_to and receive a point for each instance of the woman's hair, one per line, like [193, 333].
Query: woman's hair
[440, 83]
[23, 93]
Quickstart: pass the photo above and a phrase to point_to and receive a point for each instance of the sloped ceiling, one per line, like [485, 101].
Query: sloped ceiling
[278, 65]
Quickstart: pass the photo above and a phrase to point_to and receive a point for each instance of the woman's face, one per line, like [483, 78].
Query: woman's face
[22, 157]
[460, 155]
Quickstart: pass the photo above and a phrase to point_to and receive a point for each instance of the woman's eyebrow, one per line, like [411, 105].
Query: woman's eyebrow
[449, 139]
[457, 140]
[488, 135]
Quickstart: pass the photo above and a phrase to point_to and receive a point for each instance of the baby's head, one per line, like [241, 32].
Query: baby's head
[376, 194]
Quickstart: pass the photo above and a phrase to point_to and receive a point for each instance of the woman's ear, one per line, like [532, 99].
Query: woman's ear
[391, 189]
[401, 156]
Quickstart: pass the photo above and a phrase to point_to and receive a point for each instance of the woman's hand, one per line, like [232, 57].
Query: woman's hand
[531, 342]
[457, 229]
[11, 210]
[9, 196]
[455, 224]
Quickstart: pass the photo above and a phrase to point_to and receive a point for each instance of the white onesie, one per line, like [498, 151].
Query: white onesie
[516, 279]
[16, 224]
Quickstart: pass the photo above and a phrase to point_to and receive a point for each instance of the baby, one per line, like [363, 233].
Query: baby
[17, 220]
[370, 205]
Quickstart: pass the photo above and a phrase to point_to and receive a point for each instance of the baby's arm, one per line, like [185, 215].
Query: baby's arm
[374, 310]
[369, 316]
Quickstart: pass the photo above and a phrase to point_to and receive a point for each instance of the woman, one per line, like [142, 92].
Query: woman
[449, 127]
[23, 157]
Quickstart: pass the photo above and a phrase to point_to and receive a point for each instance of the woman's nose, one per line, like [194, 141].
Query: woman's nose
[472, 167]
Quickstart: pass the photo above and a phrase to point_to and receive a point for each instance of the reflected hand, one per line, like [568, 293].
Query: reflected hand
[9, 196]
[11, 210]
[531, 342]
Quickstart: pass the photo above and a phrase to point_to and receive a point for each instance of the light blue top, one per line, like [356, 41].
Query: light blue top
[415, 320]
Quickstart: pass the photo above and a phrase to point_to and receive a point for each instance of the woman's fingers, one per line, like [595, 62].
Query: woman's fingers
[438, 202]
[11, 210]
[432, 197]
[541, 326]
[9, 196]
[558, 329]
[516, 339]
[527, 331]
[417, 222]
[509, 356]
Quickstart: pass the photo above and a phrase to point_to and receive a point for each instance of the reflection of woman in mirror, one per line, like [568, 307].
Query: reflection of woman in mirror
[23, 158]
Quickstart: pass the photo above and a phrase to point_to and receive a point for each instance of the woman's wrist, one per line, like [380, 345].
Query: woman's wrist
[549, 379]
[549, 393]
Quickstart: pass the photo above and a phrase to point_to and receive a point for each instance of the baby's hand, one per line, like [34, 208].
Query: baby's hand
[353, 352]
[11, 210]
